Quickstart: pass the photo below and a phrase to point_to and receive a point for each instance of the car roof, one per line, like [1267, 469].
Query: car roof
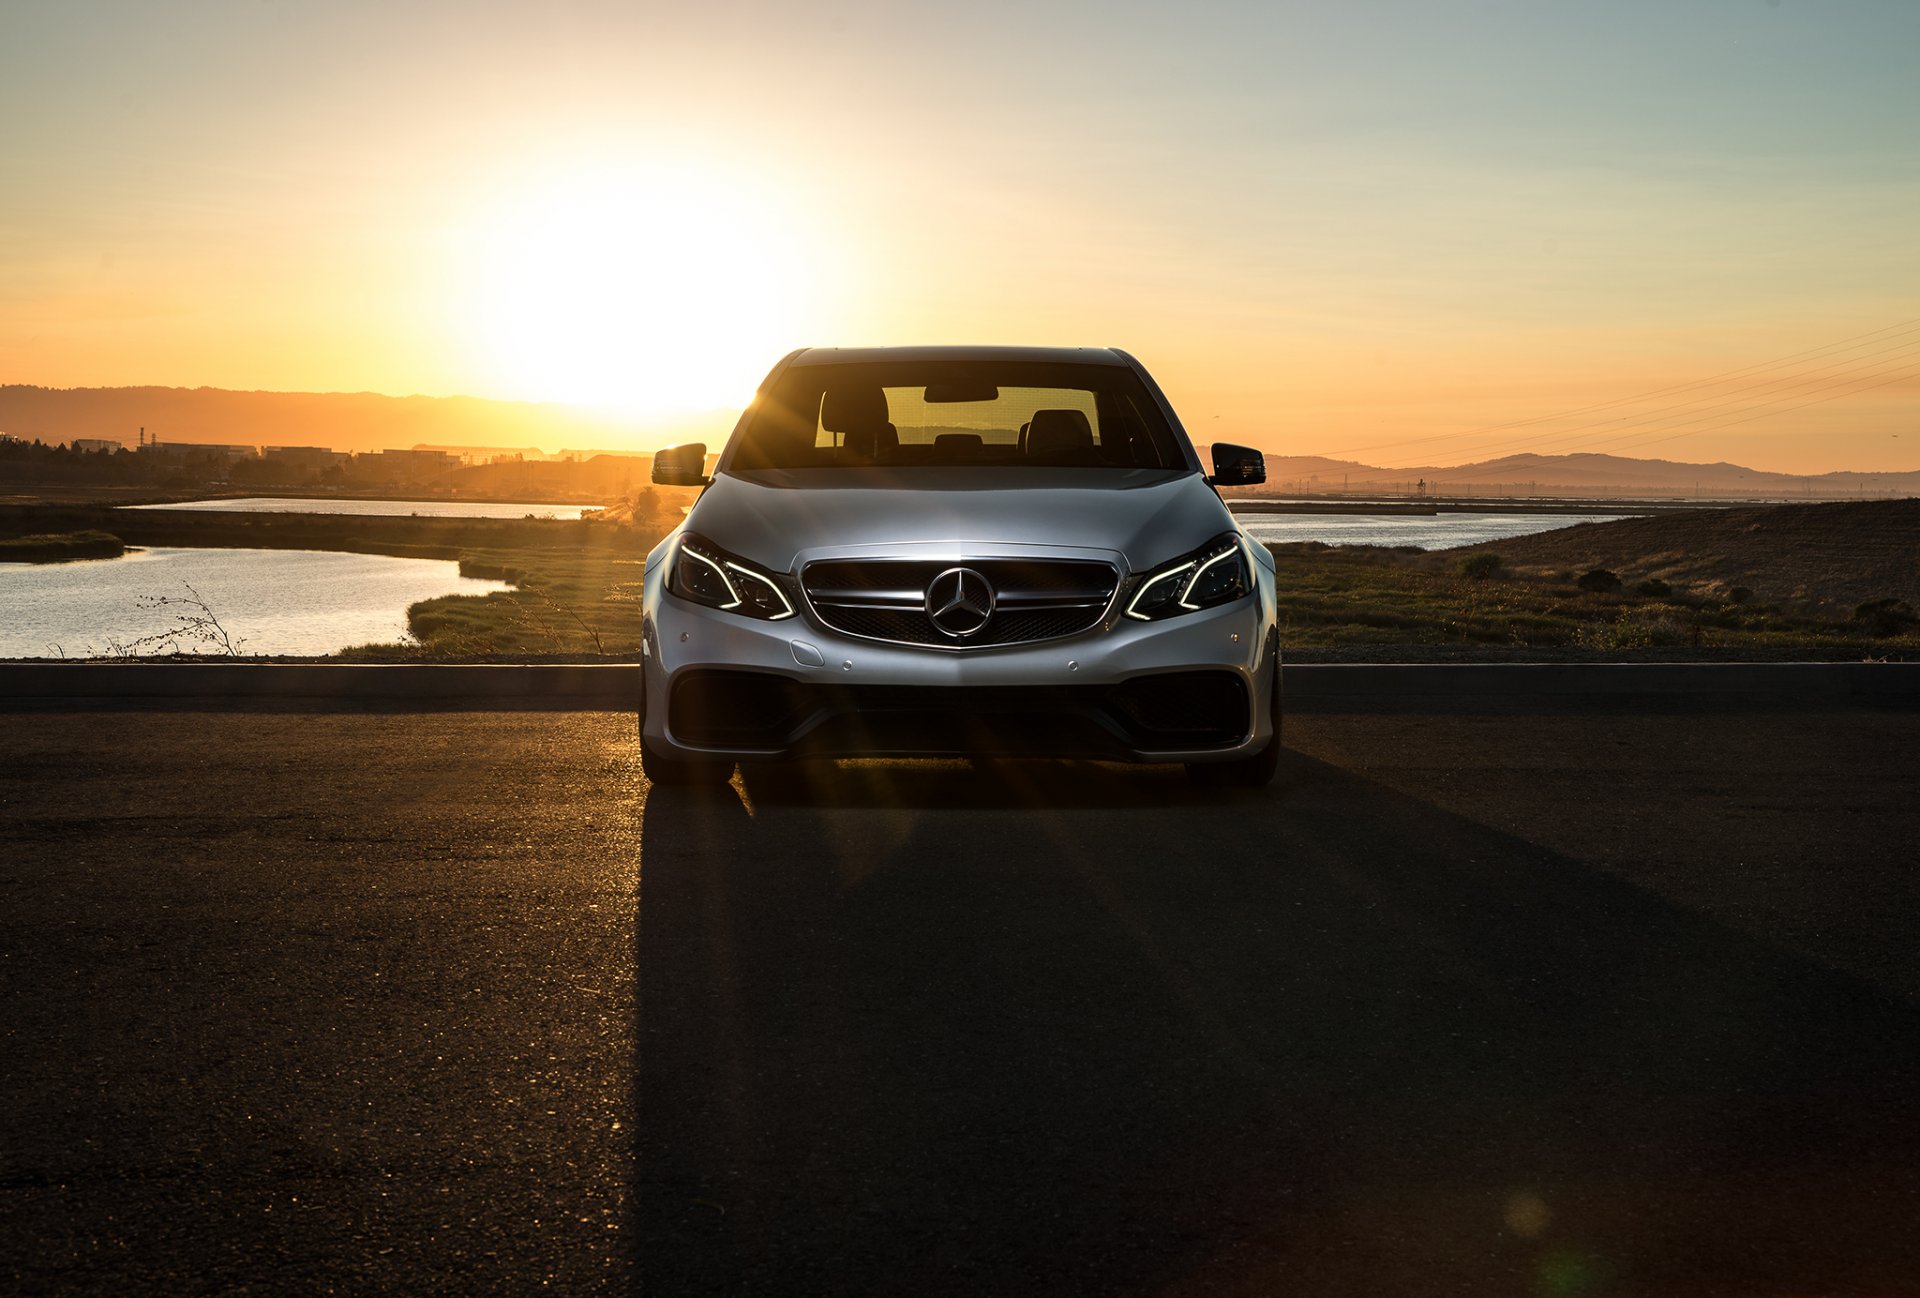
[864, 355]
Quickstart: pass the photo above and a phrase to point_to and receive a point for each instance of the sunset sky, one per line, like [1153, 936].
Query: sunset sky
[1374, 230]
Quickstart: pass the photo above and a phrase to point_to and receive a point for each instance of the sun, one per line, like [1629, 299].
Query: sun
[649, 290]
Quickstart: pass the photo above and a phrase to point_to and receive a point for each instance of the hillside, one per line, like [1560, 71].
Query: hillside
[1831, 557]
[342, 421]
[366, 421]
[1584, 474]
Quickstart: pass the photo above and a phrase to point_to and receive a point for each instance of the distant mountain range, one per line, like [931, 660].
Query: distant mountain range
[1578, 475]
[343, 421]
[365, 421]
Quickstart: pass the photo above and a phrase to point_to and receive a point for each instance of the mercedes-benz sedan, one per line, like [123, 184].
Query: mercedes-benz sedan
[990, 551]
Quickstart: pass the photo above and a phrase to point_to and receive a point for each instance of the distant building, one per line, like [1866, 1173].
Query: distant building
[303, 458]
[406, 466]
[487, 454]
[426, 459]
[223, 451]
[582, 456]
[94, 444]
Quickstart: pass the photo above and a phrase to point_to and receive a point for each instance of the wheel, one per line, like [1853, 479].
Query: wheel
[1254, 772]
[663, 768]
[682, 771]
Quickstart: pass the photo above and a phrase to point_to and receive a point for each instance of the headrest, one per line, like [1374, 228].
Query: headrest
[853, 407]
[1055, 431]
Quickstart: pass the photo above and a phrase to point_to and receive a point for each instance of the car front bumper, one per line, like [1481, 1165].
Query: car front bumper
[1197, 688]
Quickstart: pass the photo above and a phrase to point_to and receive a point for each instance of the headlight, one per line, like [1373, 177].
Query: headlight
[1213, 575]
[705, 574]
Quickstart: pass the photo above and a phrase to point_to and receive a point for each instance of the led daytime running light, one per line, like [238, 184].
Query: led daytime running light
[732, 575]
[1198, 568]
[786, 606]
[720, 571]
[1227, 553]
[1133, 607]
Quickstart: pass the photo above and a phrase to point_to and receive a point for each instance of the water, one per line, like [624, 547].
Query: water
[376, 508]
[1428, 531]
[308, 603]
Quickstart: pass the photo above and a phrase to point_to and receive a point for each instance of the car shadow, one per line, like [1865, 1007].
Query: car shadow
[962, 784]
[1030, 1028]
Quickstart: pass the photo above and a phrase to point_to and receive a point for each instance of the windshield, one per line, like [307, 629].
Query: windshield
[964, 414]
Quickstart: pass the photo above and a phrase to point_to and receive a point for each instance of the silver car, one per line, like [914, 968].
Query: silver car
[1000, 551]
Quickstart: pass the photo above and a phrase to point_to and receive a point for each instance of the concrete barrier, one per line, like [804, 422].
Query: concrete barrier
[1334, 687]
[1312, 687]
[585, 686]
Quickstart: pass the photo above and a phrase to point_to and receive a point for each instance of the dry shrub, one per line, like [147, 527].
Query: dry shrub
[1881, 617]
[1642, 628]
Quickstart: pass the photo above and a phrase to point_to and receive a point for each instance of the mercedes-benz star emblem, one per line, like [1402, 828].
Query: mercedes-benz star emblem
[959, 602]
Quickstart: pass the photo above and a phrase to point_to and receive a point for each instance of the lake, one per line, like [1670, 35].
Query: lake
[1428, 531]
[296, 602]
[375, 508]
[311, 603]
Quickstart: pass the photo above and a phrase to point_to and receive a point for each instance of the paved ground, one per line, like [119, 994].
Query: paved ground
[450, 1003]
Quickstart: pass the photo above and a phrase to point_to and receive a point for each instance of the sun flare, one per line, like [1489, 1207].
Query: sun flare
[647, 292]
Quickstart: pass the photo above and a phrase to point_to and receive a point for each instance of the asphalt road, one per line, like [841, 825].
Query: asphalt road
[452, 1003]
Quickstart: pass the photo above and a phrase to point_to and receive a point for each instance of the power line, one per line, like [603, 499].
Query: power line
[1853, 343]
[1728, 403]
[1466, 473]
[1865, 387]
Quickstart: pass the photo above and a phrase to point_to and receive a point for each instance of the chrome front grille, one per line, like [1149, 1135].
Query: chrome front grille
[886, 599]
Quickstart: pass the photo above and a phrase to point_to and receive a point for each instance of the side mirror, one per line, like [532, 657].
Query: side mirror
[1237, 466]
[681, 466]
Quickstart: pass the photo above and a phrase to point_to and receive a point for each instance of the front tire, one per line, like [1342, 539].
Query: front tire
[668, 769]
[1254, 772]
[682, 772]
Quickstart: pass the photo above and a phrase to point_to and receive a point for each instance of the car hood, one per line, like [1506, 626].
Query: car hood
[777, 518]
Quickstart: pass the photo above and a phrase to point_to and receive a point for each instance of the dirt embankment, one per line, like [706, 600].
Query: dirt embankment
[408, 536]
[1832, 556]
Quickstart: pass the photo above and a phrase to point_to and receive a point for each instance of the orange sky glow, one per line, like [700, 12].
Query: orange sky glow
[1396, 232]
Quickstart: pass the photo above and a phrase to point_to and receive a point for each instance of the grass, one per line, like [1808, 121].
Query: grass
[577, 584]
[1823, 560]
[1352, 601]
[1340, 602]
[61, 547]
[583, 601]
